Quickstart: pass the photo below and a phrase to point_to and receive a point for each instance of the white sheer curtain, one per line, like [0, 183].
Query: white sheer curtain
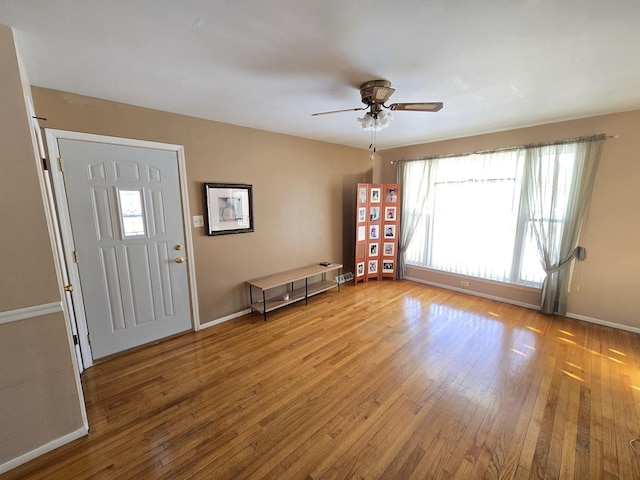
[473, 212]
[510, 215]
[557, 185]
[468, 223]
[415, 179]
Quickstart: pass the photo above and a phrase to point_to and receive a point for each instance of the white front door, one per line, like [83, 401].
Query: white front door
[128, 232]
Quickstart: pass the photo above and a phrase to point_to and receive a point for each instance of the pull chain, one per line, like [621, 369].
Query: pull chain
[372, 147]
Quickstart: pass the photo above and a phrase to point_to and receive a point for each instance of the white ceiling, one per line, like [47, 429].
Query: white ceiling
[269, 64]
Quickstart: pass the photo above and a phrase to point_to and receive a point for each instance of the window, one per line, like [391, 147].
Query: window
[131, 213]
[474, 221]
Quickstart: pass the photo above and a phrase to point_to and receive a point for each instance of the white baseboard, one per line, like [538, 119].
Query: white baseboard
[224, 319]
[476, 294]
[575, 316]
[604, 323]
[52, 445]
[30, 312]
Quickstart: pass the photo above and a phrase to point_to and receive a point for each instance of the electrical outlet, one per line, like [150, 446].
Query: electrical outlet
[464, 283]
[198, 221]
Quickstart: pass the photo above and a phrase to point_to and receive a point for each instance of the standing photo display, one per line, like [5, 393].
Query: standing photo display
[377, 227]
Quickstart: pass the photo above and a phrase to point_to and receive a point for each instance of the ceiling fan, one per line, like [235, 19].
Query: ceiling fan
[375, 93]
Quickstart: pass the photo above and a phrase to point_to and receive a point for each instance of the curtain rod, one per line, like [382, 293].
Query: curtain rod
[601, 136]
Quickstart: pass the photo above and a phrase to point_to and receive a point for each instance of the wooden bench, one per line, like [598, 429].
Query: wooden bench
[294, 293]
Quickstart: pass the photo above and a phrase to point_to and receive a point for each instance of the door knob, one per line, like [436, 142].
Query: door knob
[178, 247]
[179, 260]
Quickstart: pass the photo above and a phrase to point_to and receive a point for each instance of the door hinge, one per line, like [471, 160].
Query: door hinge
[89, 338]
[61, 164]
[44, 164]
[75, 339]
[75, 257]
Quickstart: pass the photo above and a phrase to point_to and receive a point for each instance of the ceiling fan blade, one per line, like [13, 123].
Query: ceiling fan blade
[417, 107]
[339, 111]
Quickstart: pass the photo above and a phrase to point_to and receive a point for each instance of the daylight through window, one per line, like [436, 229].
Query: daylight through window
[472, 220]
[131, 213]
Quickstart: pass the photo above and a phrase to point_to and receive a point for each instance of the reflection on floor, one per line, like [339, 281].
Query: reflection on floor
[382, 380]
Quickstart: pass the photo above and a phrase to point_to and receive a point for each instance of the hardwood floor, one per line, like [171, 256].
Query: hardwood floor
[390, 380]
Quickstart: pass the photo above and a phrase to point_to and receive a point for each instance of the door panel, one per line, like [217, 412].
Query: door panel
[115, 302]
[126, 216]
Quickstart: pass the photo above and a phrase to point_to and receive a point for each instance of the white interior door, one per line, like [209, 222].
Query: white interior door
[128, 231]
[68, 298]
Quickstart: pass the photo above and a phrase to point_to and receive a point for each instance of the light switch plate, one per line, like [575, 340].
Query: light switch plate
[198, 221]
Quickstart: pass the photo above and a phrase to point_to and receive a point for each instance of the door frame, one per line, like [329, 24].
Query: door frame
[64, 221]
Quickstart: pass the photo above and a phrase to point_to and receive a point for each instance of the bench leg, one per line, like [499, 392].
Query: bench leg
[264, 305]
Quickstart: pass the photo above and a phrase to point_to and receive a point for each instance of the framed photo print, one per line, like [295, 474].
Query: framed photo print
[374, 232]
[362, 214]
[373, 266]
[390, 213]
[389, 231]
[374, 214]
[375, 195]
[373, 249]
[387, 266]
[362, 195]
[389, 249]
[229, 208]
[391, 195]
[362, 233]
[360, 269]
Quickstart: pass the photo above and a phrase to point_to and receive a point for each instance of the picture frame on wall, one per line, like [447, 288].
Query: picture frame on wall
[374, 232]
[387, 266]
[360, 269]
[375, 195]
[388, 249]
[373, 249]
[229, 208]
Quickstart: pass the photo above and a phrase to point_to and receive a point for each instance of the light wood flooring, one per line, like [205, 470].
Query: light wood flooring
[391, 380]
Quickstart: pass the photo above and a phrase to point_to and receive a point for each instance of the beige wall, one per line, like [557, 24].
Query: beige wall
[39, 403]
[303, 190]
[606, 285]
[25, 243]
[39, 400]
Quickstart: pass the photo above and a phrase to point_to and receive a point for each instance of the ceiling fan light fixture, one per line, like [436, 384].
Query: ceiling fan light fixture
[377, 122]
[384, 119]
[367, 122]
